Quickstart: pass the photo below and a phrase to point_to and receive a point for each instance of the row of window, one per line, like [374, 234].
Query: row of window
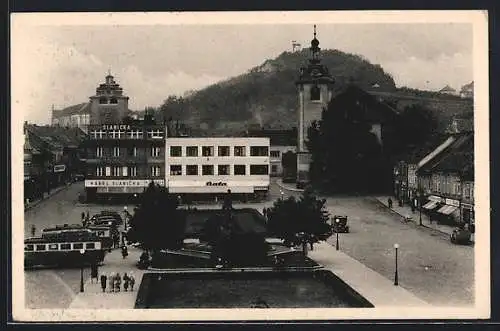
[57, 247]
[222, 170]
[117, 152]
[155, 171]
[126, 134]
[193, 151]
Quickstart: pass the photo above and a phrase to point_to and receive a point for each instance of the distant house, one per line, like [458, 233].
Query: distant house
[76, 116]
[448, 90]
[467, 91]
[448, 181]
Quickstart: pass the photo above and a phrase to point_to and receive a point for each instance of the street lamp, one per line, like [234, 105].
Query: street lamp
[337, 232]
[82, 252]
[125, 211]
[396, 282]
[420, 208]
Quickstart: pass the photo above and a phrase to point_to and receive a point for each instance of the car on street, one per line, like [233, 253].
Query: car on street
[113, 214]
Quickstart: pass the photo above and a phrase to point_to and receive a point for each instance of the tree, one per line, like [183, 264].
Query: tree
[157, 223]
[288, 218]
[346, 155]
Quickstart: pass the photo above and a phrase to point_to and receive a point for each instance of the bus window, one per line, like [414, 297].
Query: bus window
[90, 245]
[66, 246]
[53, 247]
[28, 247]
[78, 246]
[40, 247]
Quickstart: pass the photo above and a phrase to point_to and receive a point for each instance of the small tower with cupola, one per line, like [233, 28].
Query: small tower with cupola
[109, 105]
[315, 87]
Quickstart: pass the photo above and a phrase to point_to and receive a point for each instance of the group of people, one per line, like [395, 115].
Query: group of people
[114, 281]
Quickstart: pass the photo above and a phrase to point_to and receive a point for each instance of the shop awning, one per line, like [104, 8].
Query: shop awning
[430, 205]
[447, 210]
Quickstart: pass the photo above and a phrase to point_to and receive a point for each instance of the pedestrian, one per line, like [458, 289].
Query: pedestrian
[126, 280]
[104, 280]
[124, 251]
[118, 282]
[94, 272]
[264, 212]
[83, 216]
[33, 230]
[389, 202]
[131, 280]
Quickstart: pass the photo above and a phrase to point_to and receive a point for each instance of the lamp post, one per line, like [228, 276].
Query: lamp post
[82, 252]
[337, 247]
[125, 211]
[396, 281]
[420, 207]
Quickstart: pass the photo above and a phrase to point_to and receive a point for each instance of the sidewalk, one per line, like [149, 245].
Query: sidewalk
[405, 210]
[94, 298]
[46, 196]
[378, 290]
[288, 186]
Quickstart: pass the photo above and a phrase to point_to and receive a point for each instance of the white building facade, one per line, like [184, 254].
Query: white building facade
[216, 165]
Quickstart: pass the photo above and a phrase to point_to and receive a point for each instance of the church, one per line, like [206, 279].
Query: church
[317, 92]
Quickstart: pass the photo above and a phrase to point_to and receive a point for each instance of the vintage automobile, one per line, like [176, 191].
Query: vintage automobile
[339, 224]
[460, 236]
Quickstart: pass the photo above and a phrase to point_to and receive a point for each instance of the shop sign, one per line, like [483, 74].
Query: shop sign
[215, 184]
[115, 127]
[452, 202]
[59, 168]
[122, 183]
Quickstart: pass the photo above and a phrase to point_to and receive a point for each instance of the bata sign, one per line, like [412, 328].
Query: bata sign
[122, 183]
[216, 184]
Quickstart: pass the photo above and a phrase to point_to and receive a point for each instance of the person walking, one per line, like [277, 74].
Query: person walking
[126, 280]
[104, 280]
[83, 216]
[131, 280]
[94, 272]
[124, 251]
[389, 203]
[118, 282]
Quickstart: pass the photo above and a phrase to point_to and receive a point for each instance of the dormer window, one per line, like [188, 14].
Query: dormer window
[315, 93]
[103, 101]
[113, 101]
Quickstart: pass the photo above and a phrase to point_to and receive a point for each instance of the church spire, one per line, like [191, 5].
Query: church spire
[315, 48]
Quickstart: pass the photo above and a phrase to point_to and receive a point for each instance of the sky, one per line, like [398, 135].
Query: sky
[62, 65]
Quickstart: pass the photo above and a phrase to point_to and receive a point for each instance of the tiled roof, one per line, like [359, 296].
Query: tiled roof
[81, 108]
[277, 137]
[374, 110]
[57, 137]
[458, 157]
[417, 153]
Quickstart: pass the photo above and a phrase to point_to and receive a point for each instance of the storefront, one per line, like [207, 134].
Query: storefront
[105, 189]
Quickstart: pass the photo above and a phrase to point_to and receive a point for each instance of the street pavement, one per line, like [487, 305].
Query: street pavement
[429, 265]
[432, 268]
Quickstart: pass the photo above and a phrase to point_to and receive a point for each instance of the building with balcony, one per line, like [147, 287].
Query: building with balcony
[122, 159]
[212, 166]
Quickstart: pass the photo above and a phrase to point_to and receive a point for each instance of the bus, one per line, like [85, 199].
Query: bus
[62, 250]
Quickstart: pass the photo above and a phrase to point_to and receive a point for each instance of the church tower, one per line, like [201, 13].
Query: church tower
[108, 105]
[315, 86]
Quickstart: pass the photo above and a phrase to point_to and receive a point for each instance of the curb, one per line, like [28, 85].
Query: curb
[418, 225]
[54, 192]
[280, 184]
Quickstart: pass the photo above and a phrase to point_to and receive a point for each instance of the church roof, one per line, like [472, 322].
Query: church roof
[370, 108]
[81, 108]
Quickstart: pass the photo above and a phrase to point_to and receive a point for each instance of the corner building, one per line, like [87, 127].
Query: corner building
[122, 159]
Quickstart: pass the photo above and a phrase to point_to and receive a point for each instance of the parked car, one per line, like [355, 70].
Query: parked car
[114, 214]
[460, 236]
[340, 224]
